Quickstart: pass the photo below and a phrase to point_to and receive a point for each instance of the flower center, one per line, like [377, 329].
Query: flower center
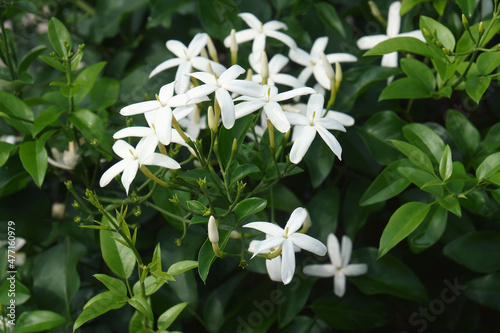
[132, 153]
[312, 119]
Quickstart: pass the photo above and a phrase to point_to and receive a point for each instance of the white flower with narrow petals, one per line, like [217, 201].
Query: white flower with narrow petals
[339, 267]
[222, 85]
[259, 31]
[393, 26]
[287, 239]
[306, 127]
[187, 59]
[276, 64]
[269, 102]
[133, 159]
[313, 64]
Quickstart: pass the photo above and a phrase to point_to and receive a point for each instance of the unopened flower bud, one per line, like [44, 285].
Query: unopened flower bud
[465, 22]
[426, 32]
[328, 68]
[481, 28]
[211, 50]
[264, 67]
[249, 74]
[438, 44]
[233, 47]
[58, 209]
[376, 12]
[235, 145]
[213, 233]
[307, 224]
[212, 123]
[338, 75]
[446, 51]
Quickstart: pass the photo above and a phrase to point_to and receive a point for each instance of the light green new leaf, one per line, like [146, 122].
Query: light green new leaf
[182, 266]
[38, 321]
[451, 204]
[119, 258]
[463, 132]
[404, 220]
[405, 88]
[58, 37]
[115, 286]
[35, 159]
[167, 318]
[443, 34]
[487, 62]
[401, 44]
[415, 155]
[5, 150]
[446, 164]
[47, 117]
[99, 305]
[476, 86]
[422, 179]
[489, 167]
[30, 57]
[142, 305]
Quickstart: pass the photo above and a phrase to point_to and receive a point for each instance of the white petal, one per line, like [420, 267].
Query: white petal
[165, 65]
[394, 19]
[346, 250]
[231, 73]
[205, 77]
[296, 220]
[123, 149]
[341, 117]
[259, 44]
[245, 108]
[330, 124]
[339, 284]
[112, 172]
[181, 77]
[300, 56]
[200, 91]
[334, 250]
[318, 47]
[293, 93]
[331, 141]
[297, 119]
[197, 44]
[166, 92]
[368, 42]
[340, 57]
[288, 262]
[285, 79]
[182, 112]
[241, 37]
[251, 20]
[162, 161]
[274, 268]
[266, 245]
[321, 77]
[320, 270]
[275, 25]
[309, 243]
[146, 146]
[277, 116]
[355, 269]
[141, 107]
[390, 60]
[177, 48]
[305, 74]
[244, 87]
[129, 174]
[134, 131]
[302, 144]
[163, 125]
[287, 40]
[266, 227]
[415, 34]
[226, 107]
[315, 105]
[277, 63]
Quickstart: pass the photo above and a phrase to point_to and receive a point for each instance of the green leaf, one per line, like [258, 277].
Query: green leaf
[182, 266]
[86, 79]
[446, 164]
[407, 5]
[17, 108]
[47, 117]
[141, 305]
[485, 291]
[467, 6]
[242, 171]
[328, 15]
[119, 258]
[5, 150]
[404, 220]
[387, 185]
[487, 62]
[429, 231]
[115, 286]
[206, 256]
[489, 167]
[38, 321]
[492, 138]
[25, 5]
[52, 62]
[104, 93]
[387, 275]
[22, 293]
[319, 160]
[249, 207]
[422, 179]
[196, 206]
[426, 139]
[323, 209]
[58, 37]
[296, 297]
[415, 155]
[92, 127]
[401, 44]
[99, 305]
[30, 57]
[405, 88]
[167, 318]
[440, 6]
[34, 158]
[451, 204]
[418, 70]
[476, 86]
[475, 251]
[443, 34]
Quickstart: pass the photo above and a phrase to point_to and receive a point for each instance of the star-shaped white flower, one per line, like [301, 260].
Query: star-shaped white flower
[287, 239]
[133, 159]
[276, 64]
[306, 127]
[313, 64]
[258, 33]
[222, 85]
[339, 267]
[187, 59]
[271, 106]
[393, 26]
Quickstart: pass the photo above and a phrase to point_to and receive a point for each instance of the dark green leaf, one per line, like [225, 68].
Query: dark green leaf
[404, 220]
[22, 294]
[206, 256]
[429, 231]
[467, 6]
[86, 79]
[119, 258]
[249, 207]
[476, 86]
[451, 204]
[328, 15]
[25, 5]
[422, 179]
[487, 62]
[418, 70]
[5, 150]
[242, 171]
[485, 291]
[167, 318]
[34, 158]
[92, 127]
[47, 117]
[30, 57]
[489, 167]
[99, 305]
[492, 139]
[446, 164]
[13, 106]
[38, 321]
[196, 206]
[104, 93]
[407, 5]
[426, 139]
[319, 160]
[401, 44]
[415, 155]
[323, 210]
[296, 297]
[405, 88]
[58, 37]
[115, 286]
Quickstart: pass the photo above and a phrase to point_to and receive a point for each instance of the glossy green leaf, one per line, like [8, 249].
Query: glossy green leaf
[492, 138]
[328, 15]
[182, 266]
[404, 220]
[418, 70]
[25, 5]
[401, 44]
[86, 79]
[446, 164]
[407, 5]
[475, 251]
[415, 155]
[422, 179]
[489, 167]
[387, 275]
[429, 231]
[92, 127]
[22, 293]
[115, 286]
[451, 204]
[99, 305]
[443, 34]
[487, 62]
[206, 255]
[167, 318]
[476, 86]
[119, 258]
[387, 185]
[242, 171]
[485, 290]
[52, 62]
[58, 37]
[35, 159]
[142, 305]
[405, 88]
[17, 108]
[47, 117]
[426, 139]
[249, 207]
[467, 6]
[5, 150]
[30, 57]
[296, 297]
[38, 321]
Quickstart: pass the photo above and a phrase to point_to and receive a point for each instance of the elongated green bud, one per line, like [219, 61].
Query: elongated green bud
[264, 67]
[212, 124]
[376, 12]
[465, 22]
[328, 67]
[338, 75]
[233, 47]
[481, 28]
[211, 50]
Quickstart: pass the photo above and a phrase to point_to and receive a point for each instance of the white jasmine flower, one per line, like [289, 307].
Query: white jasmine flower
[286, 239]
[222, 85]
[194, 123]
[258, 33]
[213, 233]
[276, 64]
[308, 125]
[66, 160]
[271, 106]
[187, 59]
[393, 26]
[339, 267]
[133, 159]
[314, 64]
[341, 117]
[20, 257]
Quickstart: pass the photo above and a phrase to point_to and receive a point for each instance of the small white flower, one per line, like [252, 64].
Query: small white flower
[222, 85]
[66, 160]
[393, 26]
[287, 239]
[194, 123]
[339, 267]
[187, 58]
[314, 64]
[133, 159]
[306, 127]
[20, 257]
[271, 106]
[276, 64]
[258, 33]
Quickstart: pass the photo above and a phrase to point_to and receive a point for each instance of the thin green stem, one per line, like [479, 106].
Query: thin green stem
[12, 70]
